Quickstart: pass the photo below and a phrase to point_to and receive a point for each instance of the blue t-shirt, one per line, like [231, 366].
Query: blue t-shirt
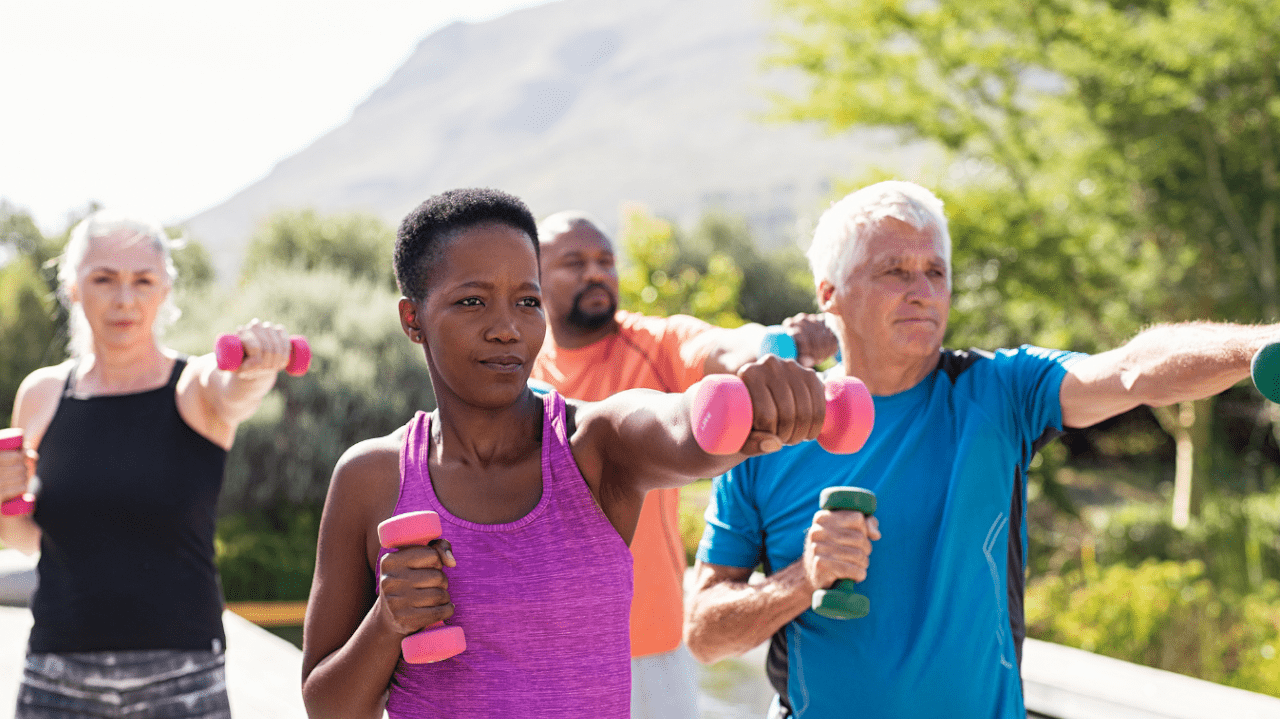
[947, 460]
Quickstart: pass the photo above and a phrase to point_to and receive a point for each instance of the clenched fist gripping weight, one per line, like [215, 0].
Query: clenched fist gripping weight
[229, 351]
[840, 601]
[25, 503]
[438, 641]
[722, 415]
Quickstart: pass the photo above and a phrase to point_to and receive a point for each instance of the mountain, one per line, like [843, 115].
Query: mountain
[583, 104]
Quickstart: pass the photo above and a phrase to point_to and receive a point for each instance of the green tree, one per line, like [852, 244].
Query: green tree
[775, 285]
[192, 261]
[357, 244]
[29, 328]
[656, 280]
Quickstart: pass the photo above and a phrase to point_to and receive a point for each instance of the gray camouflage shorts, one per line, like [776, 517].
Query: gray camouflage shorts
[163, 684]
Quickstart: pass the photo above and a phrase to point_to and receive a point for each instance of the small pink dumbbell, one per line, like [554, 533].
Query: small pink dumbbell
[25, 503]
[438, 641]
[722, 415]
[229, 351]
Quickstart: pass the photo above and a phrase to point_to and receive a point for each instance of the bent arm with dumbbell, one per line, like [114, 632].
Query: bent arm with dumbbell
[728, 614]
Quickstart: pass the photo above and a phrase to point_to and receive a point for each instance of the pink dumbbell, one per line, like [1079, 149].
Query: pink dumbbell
[229, 350]
[438, 641]
[25, 503]
[722, 415]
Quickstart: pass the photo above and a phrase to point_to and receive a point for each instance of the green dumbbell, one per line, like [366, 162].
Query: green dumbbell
[840, 601]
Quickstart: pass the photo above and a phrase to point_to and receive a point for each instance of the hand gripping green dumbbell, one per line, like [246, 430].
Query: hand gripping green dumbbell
[839, 601]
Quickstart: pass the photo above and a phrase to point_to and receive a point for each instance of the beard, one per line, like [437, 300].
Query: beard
[594, 320]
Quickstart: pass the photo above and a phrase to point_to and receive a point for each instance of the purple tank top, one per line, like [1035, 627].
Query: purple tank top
[544, 600]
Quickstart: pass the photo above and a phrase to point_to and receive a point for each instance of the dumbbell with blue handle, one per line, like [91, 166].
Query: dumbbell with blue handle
[778, 341]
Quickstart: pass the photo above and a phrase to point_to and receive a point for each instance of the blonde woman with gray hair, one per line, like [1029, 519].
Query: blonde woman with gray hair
[128, 439]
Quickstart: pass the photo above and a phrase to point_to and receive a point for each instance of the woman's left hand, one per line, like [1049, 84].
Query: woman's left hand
[266, 348]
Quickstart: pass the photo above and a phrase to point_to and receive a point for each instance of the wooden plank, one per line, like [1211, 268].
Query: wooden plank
[1068, 683]
[271, 614]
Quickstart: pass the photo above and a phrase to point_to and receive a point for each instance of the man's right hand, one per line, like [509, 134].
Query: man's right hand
[815, 341]
[838, 546]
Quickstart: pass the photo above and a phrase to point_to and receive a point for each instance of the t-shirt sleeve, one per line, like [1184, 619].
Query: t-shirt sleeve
[733, 536]
[1035, 379]
[687, 359]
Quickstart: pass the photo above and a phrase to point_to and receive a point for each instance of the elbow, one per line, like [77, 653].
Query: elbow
[327, 709]
[700, 639]
[697, 647]
[330, 704]
[702, 653]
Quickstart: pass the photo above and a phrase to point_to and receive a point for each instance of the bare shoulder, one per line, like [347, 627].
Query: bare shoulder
[37, 400]
[44, 381]
[366, 479]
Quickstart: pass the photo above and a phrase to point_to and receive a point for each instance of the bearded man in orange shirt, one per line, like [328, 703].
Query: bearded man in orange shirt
[594, 350]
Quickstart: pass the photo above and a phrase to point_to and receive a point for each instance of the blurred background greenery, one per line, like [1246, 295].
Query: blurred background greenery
[1106, 166]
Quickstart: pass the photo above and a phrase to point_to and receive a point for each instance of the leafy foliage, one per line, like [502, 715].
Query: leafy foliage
[1064, 121]
[265, 558]
[715, 272]
[193, 263]
[357, 244]
[1165, 615]
[657, 281]
[30, 330]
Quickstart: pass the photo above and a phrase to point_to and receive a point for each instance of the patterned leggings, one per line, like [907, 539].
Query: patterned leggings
[164, 684]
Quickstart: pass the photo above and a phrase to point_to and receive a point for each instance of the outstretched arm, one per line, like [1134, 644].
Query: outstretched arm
[730, 349]
[215, 401]
[1160, 366]
[640, 440]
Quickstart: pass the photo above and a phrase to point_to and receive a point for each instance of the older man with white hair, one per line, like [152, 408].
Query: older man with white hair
[954, 434]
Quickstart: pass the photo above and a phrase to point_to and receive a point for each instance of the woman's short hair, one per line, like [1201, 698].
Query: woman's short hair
[101, 224]
[839, 240]
[425, 233]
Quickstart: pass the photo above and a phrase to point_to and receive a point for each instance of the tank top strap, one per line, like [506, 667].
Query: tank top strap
[556, 451]
[68, 386]
[414, 482]
[179, 364]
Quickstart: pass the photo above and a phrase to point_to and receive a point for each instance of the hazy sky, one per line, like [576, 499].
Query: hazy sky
[167, 108]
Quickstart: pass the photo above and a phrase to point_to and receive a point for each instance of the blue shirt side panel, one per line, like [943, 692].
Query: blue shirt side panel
[941, 459]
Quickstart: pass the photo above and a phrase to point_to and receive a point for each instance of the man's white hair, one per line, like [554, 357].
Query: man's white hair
[101, 224]
[839, 240]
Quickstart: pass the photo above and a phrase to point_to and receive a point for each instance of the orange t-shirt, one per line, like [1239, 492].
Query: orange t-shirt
[648, 353]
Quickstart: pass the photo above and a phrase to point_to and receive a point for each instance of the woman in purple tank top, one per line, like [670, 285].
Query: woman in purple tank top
[537, 497]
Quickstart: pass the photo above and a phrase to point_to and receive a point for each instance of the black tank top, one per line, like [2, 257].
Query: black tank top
[127, 510]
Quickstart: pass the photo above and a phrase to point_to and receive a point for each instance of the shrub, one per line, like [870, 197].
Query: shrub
[1165, 615]
[267, 557]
